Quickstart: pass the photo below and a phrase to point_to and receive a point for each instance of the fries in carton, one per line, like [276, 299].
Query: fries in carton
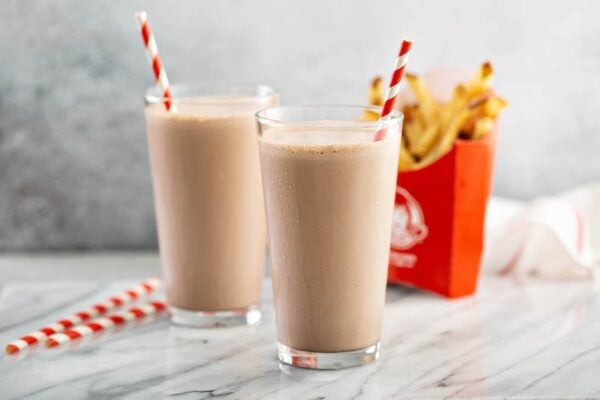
[444, 181]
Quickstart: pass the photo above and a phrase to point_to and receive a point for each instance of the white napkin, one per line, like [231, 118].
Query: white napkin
[551, 237]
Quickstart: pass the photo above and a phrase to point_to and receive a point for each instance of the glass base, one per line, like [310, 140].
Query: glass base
[214, 319]
[343, 359]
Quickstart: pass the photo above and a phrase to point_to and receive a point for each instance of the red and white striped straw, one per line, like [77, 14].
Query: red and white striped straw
[100, 324]
[394, 88]
[110, 304]
[160, 75]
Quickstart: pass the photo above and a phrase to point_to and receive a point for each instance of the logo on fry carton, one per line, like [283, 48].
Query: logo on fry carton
[408, 224]
[402, 260]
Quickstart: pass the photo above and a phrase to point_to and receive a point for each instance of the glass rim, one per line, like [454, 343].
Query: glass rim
[261, 118]
[205, 93]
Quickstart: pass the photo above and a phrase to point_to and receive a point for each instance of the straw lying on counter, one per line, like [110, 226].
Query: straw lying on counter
[110, 304]
[100, 324]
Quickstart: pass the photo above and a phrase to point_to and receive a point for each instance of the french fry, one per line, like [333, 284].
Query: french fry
[406, 161]
[468, 127]
[376, 92]
[427, 106]
[491, 109]
[431, 134]
[486, 72]
[482, 127]
[494, 107]
[451, 133]
[369, 116]
[413, 133]
[425, 141]
[375, 99]
[480, 98]
[481, 81]
[413, 125]
[410, 113]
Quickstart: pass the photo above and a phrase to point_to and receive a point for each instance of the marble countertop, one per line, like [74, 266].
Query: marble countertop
[513, 339]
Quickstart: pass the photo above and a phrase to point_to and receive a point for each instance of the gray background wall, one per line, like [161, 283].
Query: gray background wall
[73, 161]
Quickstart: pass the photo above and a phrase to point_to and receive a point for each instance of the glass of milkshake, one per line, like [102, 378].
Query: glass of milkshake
[329, 195]
[209, 201]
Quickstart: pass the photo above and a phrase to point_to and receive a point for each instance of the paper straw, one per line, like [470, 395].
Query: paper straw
[110, 304]
[394, 88]
[107, 322]
[160, 75]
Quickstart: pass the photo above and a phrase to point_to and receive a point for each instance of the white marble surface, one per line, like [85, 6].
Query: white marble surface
[513, 340]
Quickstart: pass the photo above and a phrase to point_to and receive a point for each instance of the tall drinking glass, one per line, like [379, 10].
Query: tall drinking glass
[208, 201]
[329, 195]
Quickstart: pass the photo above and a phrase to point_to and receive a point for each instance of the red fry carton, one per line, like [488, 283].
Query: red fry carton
[437, 235]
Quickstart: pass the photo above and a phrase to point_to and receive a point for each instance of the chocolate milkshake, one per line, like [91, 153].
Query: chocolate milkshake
[209, 206]
[329, 194]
